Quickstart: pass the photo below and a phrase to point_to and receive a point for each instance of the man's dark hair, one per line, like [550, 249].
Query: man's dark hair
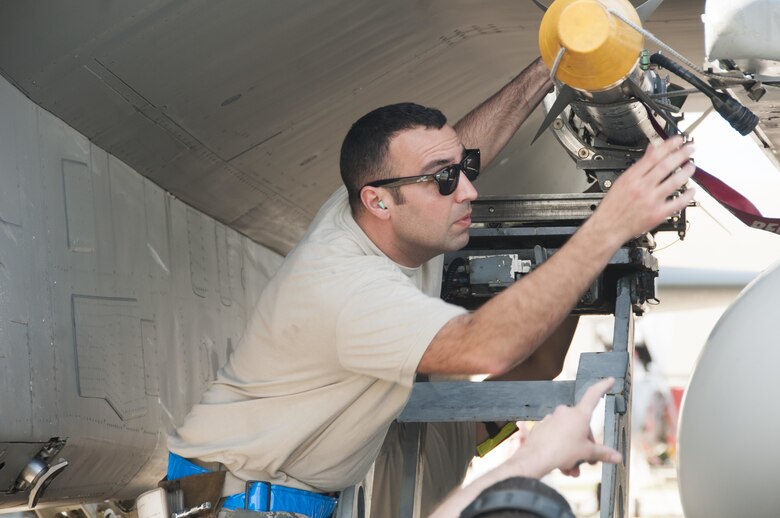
[364, 150]
[554, 504]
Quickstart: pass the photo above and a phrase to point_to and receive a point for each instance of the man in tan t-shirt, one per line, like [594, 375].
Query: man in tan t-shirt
[329, 357]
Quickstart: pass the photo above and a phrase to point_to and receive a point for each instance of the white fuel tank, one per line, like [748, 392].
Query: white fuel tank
[741, 29]
[729, 431]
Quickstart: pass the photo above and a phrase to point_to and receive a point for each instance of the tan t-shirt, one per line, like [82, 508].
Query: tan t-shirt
[325, 364]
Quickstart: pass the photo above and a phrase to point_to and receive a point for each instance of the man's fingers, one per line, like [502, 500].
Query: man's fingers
[597, 453]
[678, 178]
[679, 203]
[661, 163]
[572, 472]
[606, 454]
[671, 162]
[659, 160]
[591, 397]
[656, 153]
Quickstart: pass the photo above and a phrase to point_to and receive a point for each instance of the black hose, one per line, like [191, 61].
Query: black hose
[738, 116]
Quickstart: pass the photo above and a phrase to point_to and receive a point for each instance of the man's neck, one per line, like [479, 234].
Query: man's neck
[382, 236]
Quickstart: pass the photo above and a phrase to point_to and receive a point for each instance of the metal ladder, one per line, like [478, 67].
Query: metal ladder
[531, 401]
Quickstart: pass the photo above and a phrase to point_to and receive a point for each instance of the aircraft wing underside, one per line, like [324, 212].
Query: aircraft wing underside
[239, 108]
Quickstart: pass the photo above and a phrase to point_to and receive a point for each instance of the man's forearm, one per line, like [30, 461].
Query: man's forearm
[547, 361]
[508, 328]
[561, 440]
[523, 464]
[492, 124]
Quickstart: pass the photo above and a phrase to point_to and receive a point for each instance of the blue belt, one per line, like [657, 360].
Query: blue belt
[261, 496]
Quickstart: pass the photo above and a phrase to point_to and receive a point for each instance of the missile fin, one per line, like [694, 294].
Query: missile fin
[646, 9]
[565, 97]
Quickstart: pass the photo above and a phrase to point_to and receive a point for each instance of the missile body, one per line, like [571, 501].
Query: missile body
[605, 93]
[594, 58]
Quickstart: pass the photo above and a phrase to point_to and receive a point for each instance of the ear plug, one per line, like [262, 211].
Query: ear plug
[381, 204]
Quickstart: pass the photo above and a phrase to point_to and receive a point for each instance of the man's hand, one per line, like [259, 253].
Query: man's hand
[560, 440]
[639, 200]
[564, 440]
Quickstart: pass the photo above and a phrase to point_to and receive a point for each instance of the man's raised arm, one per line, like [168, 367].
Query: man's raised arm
[492, 124]
[510, 327]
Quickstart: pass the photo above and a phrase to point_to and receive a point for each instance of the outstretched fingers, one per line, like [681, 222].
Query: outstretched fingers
[678, 178]
[672, 168]
[594, 393]
[678, 203]
[605, 454]
[657, 153]
[597, 452]
[672, 161]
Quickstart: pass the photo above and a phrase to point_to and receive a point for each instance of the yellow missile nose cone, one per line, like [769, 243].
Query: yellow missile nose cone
[600, 49]
[583, 27]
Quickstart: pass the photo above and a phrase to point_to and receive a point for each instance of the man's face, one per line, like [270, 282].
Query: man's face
[428, 223]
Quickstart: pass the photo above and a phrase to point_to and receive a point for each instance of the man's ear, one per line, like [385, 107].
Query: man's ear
[376, 201]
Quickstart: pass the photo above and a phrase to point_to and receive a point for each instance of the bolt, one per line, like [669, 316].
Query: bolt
[607, 184]
[557, 124]
[491, 210]
[582, 153]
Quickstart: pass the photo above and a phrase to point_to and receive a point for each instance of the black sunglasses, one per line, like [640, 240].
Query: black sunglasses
[447, 178]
